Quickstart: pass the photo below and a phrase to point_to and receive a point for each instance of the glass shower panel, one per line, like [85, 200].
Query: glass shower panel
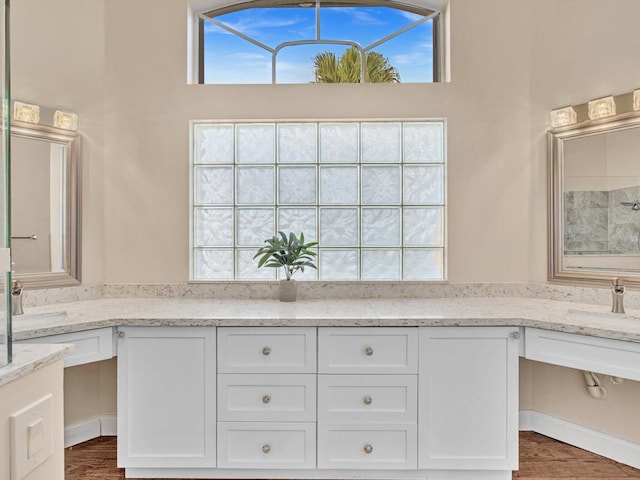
[5, 260]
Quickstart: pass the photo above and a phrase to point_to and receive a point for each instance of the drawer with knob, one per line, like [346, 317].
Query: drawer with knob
[266, 445]
[267, 398]
[367, 398]
[380, 446]
[266, 350]
[370, 350]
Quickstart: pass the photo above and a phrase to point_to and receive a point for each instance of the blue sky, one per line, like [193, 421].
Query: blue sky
[231, 59]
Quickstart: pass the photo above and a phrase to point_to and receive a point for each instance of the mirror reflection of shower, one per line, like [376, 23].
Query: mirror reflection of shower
[635, 205]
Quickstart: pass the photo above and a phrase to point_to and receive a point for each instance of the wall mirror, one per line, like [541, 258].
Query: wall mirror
[45, 212]
[595, 201]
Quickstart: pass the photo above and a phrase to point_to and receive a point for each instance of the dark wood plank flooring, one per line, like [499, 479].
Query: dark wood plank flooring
[540, 458]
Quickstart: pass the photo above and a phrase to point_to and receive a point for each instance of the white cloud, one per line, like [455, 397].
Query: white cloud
[360, 15]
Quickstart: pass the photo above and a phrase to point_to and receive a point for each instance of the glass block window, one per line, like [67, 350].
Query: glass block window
[371, 193]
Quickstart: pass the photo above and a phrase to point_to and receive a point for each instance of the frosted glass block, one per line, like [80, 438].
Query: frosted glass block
[247, 267]
[424, 142]
[214, 227]
[213, 144]
[213, 265]
[339, 185]
[255, 185]
[381, 185]
[256, 143]
[381, 227]
[298, 220]
[339, 143]
[297, 185]
[213, 185]
[381, 143]
[254, 226]
[424, 227]
[297, 143]
[427, 264]
[424, 185]
[381, 265]
[338, 227]
[339, 264]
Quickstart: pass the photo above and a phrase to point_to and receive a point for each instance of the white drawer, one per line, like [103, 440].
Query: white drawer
[267, 398]
[595, 354]
[368, 350]
[266, 350]
[389, 447]
[266, 445]
[89, 345]
[367, 398]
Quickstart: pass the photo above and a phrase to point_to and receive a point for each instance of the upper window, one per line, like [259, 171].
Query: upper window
[337, 41]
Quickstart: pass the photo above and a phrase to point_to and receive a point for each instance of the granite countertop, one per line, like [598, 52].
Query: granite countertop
[585, 319]
[28, 358]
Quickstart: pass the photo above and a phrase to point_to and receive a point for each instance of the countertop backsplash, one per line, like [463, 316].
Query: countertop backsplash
[329, 290]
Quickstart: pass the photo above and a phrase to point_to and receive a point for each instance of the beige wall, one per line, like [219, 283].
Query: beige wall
[122, 65]
[20, 393]
[90, 391]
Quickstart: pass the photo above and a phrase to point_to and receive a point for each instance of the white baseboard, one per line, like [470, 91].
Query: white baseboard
[609, 446]
[94, 427]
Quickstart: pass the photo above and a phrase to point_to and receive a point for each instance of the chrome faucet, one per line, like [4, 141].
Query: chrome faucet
[617, 290]
[16, 298]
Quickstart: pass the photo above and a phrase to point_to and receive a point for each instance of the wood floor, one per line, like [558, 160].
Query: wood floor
[540, 458]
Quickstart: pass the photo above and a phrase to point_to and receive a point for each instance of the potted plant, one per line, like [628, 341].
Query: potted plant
[292, 254]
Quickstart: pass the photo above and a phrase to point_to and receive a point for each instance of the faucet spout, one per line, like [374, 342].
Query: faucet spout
[617, 290]
[16, 298]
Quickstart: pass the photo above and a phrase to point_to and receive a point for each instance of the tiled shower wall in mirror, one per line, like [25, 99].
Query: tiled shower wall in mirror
[597, 222]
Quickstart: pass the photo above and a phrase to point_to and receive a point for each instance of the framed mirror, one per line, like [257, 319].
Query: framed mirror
[45, 205]
[594, 204]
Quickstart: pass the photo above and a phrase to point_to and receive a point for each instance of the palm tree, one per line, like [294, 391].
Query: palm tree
[346, 69]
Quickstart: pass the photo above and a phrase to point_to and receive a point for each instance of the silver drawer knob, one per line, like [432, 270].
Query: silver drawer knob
[367, 400]
[120, 334]
[368, 449]
[368, 351]
[266, 351]
[266, 399]
[515, 335]
[266, 448]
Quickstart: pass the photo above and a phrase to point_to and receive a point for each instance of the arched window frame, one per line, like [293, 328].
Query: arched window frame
[204, 14]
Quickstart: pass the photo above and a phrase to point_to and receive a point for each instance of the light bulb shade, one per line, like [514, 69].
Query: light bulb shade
[66, 120]
[25, 112]
[636, 100]
[563, 116]
[602, 108]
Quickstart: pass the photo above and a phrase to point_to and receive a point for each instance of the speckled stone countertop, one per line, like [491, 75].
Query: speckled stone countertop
[585, 319]
[31, 357]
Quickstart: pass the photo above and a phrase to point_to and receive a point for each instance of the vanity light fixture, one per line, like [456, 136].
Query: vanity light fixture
[66, 120]
[602, 108]
[26, 112]
[636, 100]
[563, 116]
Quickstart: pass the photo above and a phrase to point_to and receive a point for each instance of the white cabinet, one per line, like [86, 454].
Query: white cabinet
[367, 398]
[267, 397]
[468, 414]
[166, 397]
[88, 345]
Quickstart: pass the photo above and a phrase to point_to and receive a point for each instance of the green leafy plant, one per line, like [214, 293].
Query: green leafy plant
[288, 252]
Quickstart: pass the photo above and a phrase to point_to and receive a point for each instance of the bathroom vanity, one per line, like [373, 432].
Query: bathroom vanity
[413, 388]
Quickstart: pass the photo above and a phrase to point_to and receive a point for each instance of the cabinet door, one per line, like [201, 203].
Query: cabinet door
[166, 397]
[468, 397]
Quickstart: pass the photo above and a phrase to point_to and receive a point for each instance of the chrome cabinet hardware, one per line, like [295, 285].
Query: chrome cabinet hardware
[368, 351]
[266, 448]
[368, 449]
[367, 400]
[120, 334]
[266, 399]
[266, 351]
[515, 335]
